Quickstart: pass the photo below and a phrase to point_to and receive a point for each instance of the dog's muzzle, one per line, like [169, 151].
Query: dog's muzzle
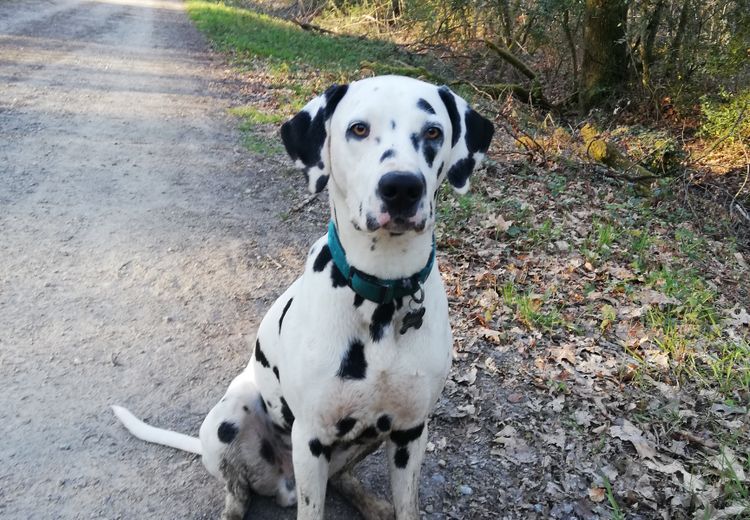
[401, 193]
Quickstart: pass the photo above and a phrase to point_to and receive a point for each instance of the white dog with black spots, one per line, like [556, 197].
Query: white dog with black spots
[357, 350]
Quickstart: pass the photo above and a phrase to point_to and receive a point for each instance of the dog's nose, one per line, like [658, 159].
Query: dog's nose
[401, 191]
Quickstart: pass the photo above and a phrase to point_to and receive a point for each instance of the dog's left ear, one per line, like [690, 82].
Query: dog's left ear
[471, 138]
[306, 134]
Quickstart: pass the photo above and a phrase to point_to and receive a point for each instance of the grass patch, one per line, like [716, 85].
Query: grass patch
[253, 116]
[531, 309]
[236, 29]
[294, 64]
[255, 135]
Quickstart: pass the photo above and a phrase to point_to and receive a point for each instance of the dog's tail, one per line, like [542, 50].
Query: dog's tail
[149, 433]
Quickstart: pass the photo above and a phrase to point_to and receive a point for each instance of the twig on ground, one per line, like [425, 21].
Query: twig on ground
[306, 202]
[312, 27]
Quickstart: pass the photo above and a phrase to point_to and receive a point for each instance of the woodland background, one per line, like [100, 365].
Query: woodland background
[598, 272]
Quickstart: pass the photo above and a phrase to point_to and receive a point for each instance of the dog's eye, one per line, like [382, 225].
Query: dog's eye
[360, 130]
[433, 133]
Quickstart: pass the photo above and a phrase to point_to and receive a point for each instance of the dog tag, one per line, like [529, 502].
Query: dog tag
[412, 319]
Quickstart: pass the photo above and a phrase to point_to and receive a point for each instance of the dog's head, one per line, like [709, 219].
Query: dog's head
[387, 143]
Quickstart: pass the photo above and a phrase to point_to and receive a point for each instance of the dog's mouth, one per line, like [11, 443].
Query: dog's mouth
[395, 225]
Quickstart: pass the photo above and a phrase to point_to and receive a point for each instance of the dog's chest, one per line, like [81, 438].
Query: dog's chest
[364, 363]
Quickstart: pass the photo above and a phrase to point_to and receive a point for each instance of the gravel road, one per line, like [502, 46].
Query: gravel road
[140, 245]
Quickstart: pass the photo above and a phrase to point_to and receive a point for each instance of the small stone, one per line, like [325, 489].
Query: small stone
[442, 463]
[168, 319]
[465, 490]
[562, 246]
[437, 478]
[429, 509]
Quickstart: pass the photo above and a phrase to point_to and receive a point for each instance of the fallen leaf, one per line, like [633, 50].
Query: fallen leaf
[629, 432]
[740, 260]
[498, 223]
[738, 317]
[727, 462]
[582, 418]
[597, 494]
[652, 297]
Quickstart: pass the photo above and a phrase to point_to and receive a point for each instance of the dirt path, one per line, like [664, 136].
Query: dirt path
[140, 246]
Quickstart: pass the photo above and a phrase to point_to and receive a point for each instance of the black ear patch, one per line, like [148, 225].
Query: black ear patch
[470, 138]
[305, 134]
[479, 132]
[450, 104]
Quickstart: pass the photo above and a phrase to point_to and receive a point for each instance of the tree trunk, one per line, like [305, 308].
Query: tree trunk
[572, 47]
[648, 38]
[675, 49]
[605, 68]
[507, 22]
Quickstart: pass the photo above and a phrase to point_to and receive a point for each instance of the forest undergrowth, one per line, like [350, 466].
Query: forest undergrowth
[597, 274]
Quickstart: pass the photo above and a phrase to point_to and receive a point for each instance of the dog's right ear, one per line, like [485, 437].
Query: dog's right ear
[305, 137]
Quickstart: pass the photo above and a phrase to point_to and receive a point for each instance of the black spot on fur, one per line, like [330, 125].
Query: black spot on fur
[321, 261]
[304, 135]
[245, 408]
[263, 405]
[286, 412]
[267, 453]
[384, 423]
[354, 364]
[424, 105]
[381, 318]
[372, 223]
[260, 356]
[283, 313]
[440, 172]
[429, 152]
[450, 104]
[337, 278]
[478, 132]
[358, 300]
[333, 95]
[459, 172]
[321, 182]
[393, 125]
[404, 437]
[401, 459]
[227, 432]
[307, 501]
[415, 141]
[317, 448]
[276, 373]
[388, 153]
[367, 434]
[345, 425]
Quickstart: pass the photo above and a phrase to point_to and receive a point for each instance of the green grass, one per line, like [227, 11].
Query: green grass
[296, 64]
[531, 310]
[241, 30]
[253, 116]
[254, 137]
[617, 513]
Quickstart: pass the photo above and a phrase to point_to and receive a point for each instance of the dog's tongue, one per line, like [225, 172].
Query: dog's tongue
[383, 219]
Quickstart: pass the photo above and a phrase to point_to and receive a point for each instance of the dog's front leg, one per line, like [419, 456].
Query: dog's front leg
[405, 451]
[310, 458]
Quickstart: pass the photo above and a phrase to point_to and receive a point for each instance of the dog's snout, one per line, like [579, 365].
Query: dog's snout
[401, 191]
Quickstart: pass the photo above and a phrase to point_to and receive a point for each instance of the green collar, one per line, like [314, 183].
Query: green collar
[370, 287]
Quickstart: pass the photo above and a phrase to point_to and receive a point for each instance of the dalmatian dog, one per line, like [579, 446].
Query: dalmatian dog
[356, 352]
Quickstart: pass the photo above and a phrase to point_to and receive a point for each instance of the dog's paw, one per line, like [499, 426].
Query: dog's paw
[286, 493]
[378, 509]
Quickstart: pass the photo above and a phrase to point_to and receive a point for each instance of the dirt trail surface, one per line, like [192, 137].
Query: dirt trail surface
[141, 245]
